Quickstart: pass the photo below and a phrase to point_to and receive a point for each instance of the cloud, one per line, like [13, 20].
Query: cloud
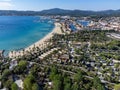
[5, 0]
[6, 5]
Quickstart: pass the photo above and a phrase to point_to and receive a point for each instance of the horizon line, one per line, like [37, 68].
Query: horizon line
[61, 9]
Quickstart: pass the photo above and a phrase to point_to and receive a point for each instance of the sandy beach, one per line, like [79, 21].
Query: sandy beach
[39, 44]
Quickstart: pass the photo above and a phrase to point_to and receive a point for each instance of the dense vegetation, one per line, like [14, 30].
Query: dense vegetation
[88, 53]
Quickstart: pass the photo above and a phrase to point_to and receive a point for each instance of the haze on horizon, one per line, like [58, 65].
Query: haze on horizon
[38, 5]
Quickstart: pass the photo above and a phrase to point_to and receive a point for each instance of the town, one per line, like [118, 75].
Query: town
[83, 56]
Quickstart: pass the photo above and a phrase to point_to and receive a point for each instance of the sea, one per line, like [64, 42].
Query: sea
[18, 32]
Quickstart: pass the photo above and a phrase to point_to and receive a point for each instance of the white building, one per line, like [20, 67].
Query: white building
[19, 83]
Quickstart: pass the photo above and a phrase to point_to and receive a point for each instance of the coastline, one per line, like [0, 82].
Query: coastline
[41, 43]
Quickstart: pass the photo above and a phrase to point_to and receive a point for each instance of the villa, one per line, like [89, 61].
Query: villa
[19, 83]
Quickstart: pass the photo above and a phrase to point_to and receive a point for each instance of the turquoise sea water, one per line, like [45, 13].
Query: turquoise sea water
[18, 32]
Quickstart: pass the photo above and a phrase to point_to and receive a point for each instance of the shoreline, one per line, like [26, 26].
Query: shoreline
[41, 43]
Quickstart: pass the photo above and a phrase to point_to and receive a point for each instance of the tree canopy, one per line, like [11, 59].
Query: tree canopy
[14, 86]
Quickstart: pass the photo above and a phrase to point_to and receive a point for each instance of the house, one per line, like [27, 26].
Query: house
[77, 44]
[50, 84]
[72, 51]
[19, 83]
[4, 89]
[92, 64]
[13, 63]
[100, 75]
[64, 57]
[31, 64]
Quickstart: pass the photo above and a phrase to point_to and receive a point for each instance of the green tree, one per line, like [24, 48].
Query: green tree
[67, 83]
[67, 86]
[21, 67]
[57, 85]
[67, 80]
[6, 73]
[78, 77]
[75, 86]
[58, 82]
[17, 70]
[117, 87]
[97, 84]
[14, 86]
[28, 82]
[54, 71]
[8, 84]
[35, 86]
[23, 64]
[27, 85]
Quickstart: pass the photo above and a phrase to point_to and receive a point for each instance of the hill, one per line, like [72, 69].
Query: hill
[57, 11]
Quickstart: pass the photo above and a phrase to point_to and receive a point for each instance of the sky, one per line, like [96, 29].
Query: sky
[38, 5]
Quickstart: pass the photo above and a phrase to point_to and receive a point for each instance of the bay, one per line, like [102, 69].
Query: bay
[17, 32]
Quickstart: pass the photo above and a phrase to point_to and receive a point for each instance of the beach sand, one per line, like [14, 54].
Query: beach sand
[41, 43]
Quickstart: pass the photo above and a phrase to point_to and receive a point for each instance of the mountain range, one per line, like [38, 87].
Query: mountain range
[57, 11]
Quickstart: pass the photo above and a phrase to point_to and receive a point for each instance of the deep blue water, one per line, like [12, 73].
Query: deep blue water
[17, 32]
